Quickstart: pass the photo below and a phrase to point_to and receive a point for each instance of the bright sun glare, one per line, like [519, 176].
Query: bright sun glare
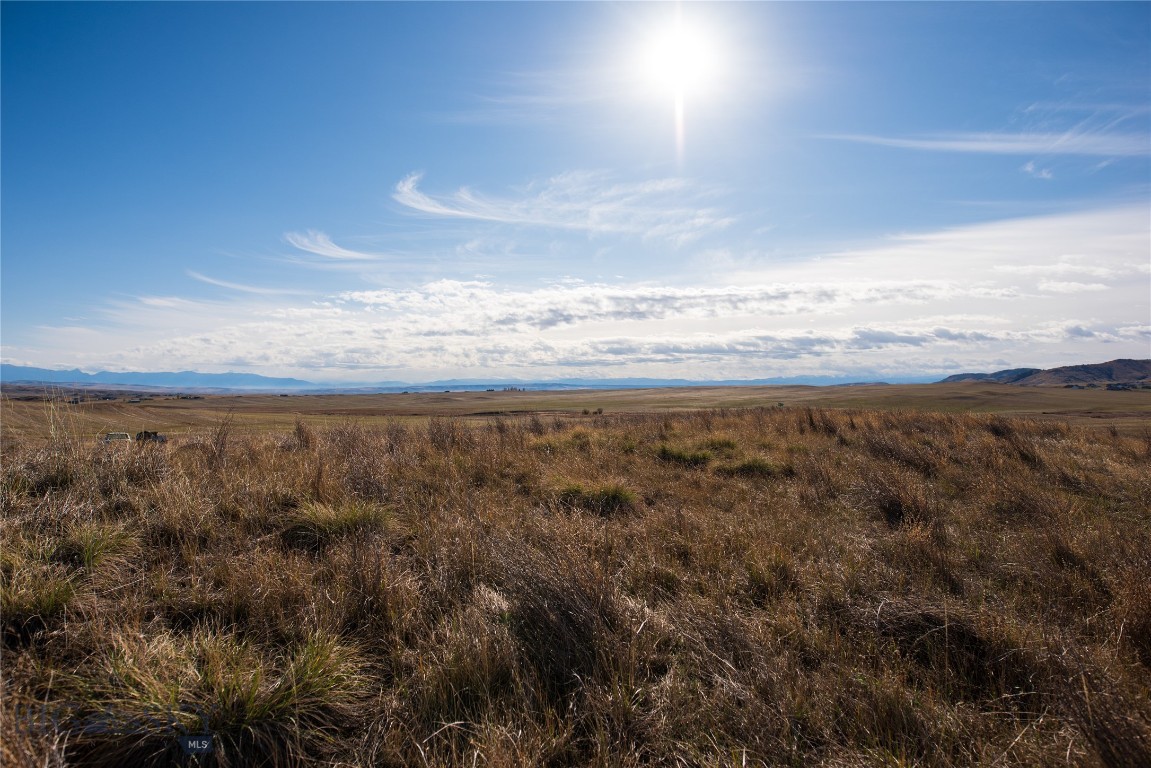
[680, 61]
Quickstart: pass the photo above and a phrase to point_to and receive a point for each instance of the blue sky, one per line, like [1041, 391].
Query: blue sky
[368, 191]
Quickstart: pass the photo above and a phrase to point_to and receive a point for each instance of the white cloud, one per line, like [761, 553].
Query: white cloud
[322, 245]
[240, 287]
[471, 305]
[1055, 286]
[1038, 173]
[1040, 291]
[1067, 265]
[669, 209]
[999, 143]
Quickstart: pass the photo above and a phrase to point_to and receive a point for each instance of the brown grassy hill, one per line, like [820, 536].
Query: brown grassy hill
[1009, 376]
[1113, 372]
[769, 586]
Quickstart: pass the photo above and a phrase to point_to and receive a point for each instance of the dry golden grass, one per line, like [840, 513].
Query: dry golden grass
[719, 587]
[32, 418]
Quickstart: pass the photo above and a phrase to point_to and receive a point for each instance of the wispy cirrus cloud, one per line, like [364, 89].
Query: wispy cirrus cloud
[320, 244]
[537, 96]
[258, 290]
[1003, 143]
[670, 209]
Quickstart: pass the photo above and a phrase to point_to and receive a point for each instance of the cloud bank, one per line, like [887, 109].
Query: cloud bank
[1039, 291]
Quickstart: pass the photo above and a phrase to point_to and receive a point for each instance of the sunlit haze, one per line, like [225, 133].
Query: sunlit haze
[360, 192]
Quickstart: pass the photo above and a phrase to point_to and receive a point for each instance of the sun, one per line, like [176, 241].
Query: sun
[680, 61]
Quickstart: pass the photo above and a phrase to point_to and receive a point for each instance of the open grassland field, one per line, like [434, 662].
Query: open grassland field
[27, 414]
[767, 586]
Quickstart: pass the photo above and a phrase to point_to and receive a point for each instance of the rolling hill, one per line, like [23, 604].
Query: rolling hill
[1113, 372]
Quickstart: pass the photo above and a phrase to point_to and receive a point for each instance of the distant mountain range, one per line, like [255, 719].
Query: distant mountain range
[180, 380]
[1116, 371]
[250, 382]
[1113, 372]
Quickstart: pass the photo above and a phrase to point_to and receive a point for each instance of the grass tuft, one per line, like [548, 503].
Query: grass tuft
[91, 543]
[683, 457]
[607, 500]
[757, 466]
[314, 526]
[30, 600]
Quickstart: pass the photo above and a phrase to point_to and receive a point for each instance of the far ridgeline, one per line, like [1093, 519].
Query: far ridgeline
[1113, 372]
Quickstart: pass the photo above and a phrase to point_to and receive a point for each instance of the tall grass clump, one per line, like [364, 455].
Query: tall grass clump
[31, 600]
[284, 710]
[756, 466]
[686, 458]
[315, 525]
[91, 543]
[605, 500]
